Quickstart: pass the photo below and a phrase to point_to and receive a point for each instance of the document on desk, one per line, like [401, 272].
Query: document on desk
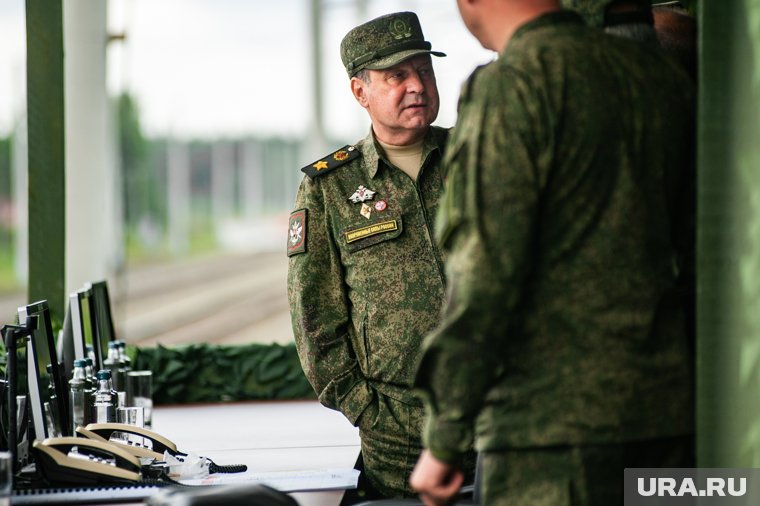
[288, 481]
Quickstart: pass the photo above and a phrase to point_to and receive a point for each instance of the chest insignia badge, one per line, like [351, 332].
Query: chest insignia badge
[366, 211]
[380, 205]
[361, 194]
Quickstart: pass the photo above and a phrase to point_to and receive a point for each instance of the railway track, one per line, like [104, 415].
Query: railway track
[221, 299]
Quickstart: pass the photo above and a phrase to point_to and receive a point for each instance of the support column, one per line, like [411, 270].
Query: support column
[728, 236]
[45, 117]
[252, 180]
[178, 198]
[91, 174]
[222, 183]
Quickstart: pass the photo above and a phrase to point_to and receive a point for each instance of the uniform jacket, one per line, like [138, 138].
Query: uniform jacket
[562, 322]
[365, 288]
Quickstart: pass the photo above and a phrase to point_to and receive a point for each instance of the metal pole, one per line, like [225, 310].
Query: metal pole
[317, 134]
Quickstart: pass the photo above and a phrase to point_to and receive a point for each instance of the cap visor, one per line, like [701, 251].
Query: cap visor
[396, 58]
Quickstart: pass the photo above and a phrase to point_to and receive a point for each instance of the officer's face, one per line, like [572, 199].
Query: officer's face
[402, 101]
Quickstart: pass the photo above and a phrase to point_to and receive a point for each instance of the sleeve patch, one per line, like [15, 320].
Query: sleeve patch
[297, 232]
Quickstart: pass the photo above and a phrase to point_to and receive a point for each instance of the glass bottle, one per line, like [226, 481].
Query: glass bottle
[113, 363]
[52, 416]
[105, 400]
[125, 360]
[91, 353]
[92, 385]
[90, 374]
[78, 392]
[125, 366]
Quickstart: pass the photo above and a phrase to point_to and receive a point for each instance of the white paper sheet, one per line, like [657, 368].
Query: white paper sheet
[288, 481]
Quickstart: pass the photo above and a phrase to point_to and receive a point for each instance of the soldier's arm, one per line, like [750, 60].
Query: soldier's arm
[319, 308]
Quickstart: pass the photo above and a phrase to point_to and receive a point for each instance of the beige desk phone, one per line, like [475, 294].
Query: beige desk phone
[78, 460]
[154, 445]
[93, 457]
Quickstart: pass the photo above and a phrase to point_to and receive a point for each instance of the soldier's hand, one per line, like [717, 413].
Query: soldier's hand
[435, 480]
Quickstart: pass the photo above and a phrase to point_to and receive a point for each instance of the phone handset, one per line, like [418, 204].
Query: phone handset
[154, 444]
[84, 461]
[142, 442]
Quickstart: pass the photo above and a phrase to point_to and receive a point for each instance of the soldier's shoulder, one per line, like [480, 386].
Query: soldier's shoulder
[334, 160]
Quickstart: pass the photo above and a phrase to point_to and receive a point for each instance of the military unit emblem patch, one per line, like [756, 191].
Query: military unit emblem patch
[297, 232]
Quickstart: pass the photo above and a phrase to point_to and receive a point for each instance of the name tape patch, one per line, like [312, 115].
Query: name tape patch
[370, 230]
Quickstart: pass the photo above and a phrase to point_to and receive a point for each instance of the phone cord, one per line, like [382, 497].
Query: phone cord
[236, 468]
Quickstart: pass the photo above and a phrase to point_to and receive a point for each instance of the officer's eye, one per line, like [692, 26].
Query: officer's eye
[396, 76]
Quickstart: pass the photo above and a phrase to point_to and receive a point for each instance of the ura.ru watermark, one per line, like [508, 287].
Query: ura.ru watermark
[695, 486]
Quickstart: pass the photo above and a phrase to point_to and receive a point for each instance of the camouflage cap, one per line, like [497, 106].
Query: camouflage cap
[593, 11]
[384, 42]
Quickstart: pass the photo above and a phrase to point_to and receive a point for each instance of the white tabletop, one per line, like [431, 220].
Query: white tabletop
[266, 436]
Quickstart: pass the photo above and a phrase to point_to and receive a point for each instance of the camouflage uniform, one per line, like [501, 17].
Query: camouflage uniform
[562, 326]
[364, 289]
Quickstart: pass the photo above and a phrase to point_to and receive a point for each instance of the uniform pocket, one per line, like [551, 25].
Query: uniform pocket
[356, 238]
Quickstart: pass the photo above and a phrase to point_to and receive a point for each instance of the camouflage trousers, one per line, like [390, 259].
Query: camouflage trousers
[391, 432]
[589, 475]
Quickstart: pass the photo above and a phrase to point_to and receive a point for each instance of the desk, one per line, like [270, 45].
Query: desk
[266, 436]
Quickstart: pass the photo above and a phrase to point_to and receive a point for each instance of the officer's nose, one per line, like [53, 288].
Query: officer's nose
[414, 83]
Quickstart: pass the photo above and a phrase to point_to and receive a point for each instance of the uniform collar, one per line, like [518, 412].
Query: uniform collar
[551, 18]
[373, 159]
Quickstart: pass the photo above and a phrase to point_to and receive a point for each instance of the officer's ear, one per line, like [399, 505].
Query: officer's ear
[359, 89]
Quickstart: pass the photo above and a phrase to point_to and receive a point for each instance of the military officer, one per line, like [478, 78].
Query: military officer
[365, 278]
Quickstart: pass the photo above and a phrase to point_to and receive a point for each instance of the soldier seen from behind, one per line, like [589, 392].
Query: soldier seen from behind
[563, 347]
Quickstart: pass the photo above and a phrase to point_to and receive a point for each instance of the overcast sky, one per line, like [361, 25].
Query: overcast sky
[214, 68]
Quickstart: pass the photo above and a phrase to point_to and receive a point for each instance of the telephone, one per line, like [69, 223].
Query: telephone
[153, 447]
[75, 460]
[154, 444]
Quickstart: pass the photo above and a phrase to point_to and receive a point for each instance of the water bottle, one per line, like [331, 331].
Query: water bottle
[52, 416]
[78, 391]
[114, 364]
[106, 400]
[125, 366]
[92, 385]
[91, 353]
[125, 360]
[90, 374]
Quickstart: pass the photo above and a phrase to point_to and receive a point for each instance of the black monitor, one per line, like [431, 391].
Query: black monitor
[65, 345]
[49, 416]
[83, 331]
[102, 318]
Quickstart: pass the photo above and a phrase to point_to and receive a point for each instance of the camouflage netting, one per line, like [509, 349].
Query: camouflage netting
[204, 373]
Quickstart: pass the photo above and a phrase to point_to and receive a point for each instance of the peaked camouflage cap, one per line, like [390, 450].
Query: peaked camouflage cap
[384, 42]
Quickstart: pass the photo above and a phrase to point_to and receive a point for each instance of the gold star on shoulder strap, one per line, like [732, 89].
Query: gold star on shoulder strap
[336, 159]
